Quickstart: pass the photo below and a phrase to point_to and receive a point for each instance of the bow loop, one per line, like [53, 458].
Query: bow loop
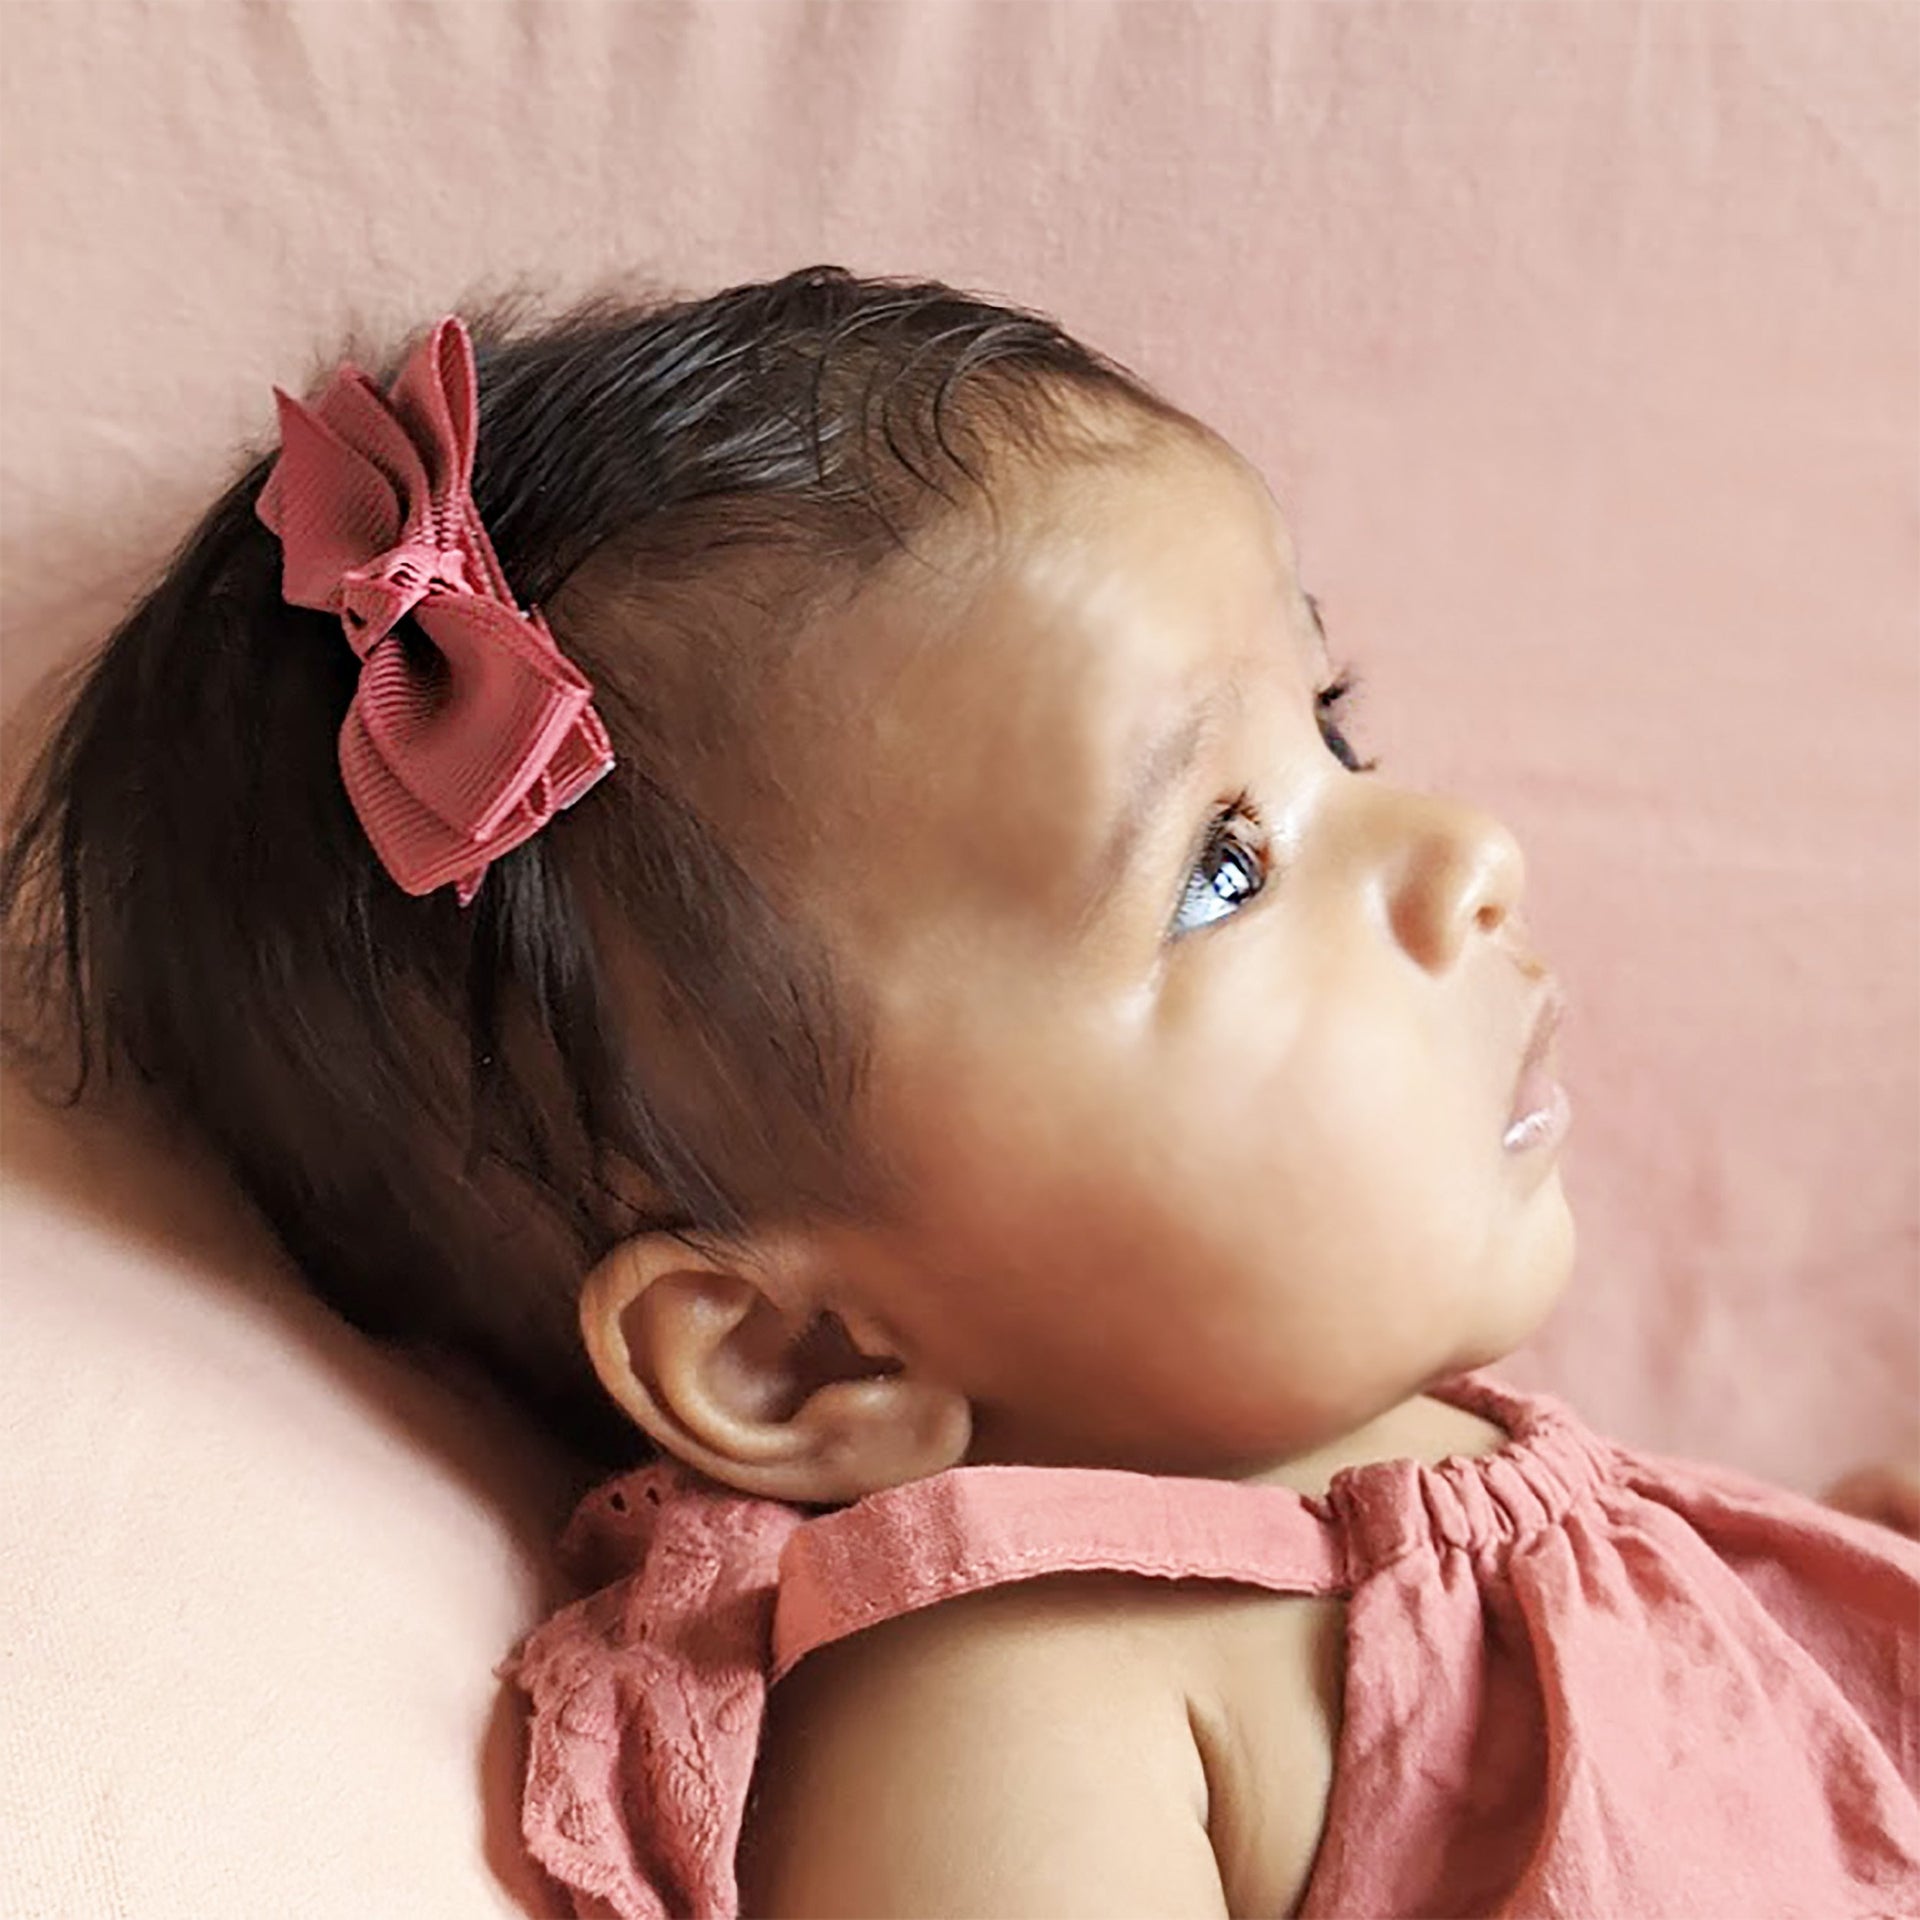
[450, 760]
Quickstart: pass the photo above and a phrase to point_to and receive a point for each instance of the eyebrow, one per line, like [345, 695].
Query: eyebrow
[1168, 758]
[1158, 770]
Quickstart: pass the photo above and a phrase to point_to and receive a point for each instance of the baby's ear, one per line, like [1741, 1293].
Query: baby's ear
[725, 1356]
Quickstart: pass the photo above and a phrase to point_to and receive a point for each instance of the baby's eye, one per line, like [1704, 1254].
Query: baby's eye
[1329, 700]
[1228, 871]
[1232, 870]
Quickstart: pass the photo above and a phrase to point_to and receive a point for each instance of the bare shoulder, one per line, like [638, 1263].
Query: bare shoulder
[1058, 1746]
[1013, 1752]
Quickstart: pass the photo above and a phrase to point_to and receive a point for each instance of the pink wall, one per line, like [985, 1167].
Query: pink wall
[1581, 341]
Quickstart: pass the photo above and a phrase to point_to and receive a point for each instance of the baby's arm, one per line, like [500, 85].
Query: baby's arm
[984, 1756]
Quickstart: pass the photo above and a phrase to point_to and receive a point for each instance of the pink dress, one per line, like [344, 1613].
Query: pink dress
[1580, 1680]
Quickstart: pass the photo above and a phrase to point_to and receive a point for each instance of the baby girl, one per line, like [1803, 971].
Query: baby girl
[787, 875]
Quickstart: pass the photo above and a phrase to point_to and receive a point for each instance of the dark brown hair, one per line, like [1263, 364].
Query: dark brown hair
[447, 1115]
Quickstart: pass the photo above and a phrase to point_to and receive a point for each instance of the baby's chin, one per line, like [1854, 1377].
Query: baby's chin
[1536, 1282]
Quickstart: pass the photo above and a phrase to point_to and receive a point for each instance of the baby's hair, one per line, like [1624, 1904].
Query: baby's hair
[447, 1115]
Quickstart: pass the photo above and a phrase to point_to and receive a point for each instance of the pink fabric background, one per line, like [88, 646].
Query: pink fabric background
[1582, 343]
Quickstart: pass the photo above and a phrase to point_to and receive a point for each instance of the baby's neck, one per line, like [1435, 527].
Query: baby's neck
[1421, 1429]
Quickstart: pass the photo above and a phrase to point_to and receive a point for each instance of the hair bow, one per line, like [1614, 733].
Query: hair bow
[448, 762]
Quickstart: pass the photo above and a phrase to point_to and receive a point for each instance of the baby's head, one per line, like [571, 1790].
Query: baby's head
[988, 1012]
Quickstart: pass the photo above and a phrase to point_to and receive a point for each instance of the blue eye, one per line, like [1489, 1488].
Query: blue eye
[1232, 867]
[1228, 872]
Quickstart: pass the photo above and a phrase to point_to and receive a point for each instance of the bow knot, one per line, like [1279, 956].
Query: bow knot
[376, 596]
[371, 501]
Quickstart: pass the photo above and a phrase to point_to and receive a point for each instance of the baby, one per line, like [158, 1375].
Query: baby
[786, 875]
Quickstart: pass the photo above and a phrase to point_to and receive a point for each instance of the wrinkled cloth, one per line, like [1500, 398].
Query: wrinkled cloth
[1580, 1680]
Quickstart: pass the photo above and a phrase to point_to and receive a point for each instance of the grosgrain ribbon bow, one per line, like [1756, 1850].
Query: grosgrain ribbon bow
[448, 762]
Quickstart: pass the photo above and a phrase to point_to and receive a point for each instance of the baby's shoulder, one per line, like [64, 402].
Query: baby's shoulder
[1094, 1729]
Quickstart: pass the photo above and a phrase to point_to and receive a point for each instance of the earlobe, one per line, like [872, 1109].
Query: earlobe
[733, 1365]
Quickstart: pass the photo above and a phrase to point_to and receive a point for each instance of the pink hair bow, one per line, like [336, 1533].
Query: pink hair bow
[451, 762]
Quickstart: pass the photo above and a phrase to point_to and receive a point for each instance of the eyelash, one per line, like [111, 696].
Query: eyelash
[1221, 834]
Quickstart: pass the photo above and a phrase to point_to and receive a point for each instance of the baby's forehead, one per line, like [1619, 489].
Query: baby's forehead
[974, 722]
[1162, 494]
[1091, 589]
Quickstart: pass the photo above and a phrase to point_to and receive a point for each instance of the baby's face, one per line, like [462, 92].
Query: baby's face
[1201, 1123]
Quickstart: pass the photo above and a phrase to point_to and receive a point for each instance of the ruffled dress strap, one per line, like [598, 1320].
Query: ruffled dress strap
[648, 1694]
[975, 1527]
